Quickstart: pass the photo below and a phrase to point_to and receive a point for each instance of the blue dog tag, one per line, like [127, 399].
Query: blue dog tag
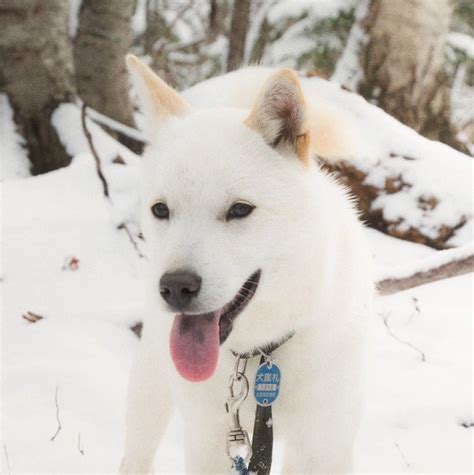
[267, 383]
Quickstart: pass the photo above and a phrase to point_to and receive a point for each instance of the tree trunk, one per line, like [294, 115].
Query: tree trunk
[401, 61]
[36, 73]
[103, 38]
[238, 34]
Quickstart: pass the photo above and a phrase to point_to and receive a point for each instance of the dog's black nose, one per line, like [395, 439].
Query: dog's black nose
[179, 288]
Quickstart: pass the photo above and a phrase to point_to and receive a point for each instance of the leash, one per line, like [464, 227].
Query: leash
[267, 383]
[262, 438]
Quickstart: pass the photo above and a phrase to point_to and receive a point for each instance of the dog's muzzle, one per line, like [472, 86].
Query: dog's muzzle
[195, 338]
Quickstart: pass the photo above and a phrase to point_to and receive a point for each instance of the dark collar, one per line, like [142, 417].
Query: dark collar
[267, 349]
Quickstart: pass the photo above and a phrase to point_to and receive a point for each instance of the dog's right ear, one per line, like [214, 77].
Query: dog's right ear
[279, 115]
[158, 100]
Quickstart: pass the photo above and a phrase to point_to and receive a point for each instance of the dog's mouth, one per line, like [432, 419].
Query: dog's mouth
[195, 339]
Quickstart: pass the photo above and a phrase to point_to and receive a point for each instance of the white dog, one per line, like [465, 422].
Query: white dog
[249, 243]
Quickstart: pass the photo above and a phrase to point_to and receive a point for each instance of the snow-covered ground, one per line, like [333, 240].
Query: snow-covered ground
[69, 370]
[420, 389]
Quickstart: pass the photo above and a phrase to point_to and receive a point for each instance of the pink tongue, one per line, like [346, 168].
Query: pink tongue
[194, 345]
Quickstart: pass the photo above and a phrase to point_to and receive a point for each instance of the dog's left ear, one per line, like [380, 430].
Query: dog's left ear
[158, 100]
[279, 115]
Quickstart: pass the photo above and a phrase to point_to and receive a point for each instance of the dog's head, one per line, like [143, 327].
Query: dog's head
[226, 207]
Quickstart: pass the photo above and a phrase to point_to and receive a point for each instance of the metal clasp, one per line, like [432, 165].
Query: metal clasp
[238, 441]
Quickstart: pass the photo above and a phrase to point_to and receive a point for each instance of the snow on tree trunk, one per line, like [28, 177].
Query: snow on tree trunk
[36, 74]
[238, 34]
[401, 47]
[103, 38]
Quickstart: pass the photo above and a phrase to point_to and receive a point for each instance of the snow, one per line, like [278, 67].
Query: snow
[258, 15]
[385, 260]
[285, 9]
[416, 409]
[139, 22]
[74, 10]
[82, 346]
[462, 42]
[15, 163]
[348, 71]
[296, 42]
[424, 264]
[289, 47]
[419, 396]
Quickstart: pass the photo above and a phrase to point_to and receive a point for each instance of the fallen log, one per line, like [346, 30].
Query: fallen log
[441, 265]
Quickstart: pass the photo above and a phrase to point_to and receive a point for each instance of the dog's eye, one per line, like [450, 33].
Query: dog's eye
[160, 210]
[239, 210]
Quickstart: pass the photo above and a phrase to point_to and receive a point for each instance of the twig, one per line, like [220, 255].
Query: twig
[442, 265]
[184, 8]
[98, 167]
[161, 43]
[403, 342]
[169, 48]
[132, 240]
[6, 458]
[403, 456]
[417, 309]
[102, 178]
[57, 415]
[81, 450]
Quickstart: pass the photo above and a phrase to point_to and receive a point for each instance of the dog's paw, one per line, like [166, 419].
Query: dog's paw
[128, 467]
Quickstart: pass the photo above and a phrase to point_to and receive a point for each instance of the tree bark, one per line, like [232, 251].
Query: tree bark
[104, 37]
[401, 57]
[238, 34]
[36, 73]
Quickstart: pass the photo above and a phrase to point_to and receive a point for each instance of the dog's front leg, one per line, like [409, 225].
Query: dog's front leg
[205, 436]
[148, 412]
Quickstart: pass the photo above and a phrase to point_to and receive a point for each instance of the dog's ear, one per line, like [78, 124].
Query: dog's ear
[279, 115]
[158, 100]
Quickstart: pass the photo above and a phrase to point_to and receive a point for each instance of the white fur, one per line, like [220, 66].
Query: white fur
[305, 237]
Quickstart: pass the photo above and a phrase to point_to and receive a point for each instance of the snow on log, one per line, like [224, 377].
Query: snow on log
[441, 265]
[412, 197]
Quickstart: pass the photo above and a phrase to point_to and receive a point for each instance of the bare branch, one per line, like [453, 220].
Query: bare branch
[79, 447]
[179, 14]
[169, 48]
[6, 458]
[403, 342]
[103, 180]
[453, 262]
[98, 166]
[403, 456]
[132, 240]
[57, 415]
